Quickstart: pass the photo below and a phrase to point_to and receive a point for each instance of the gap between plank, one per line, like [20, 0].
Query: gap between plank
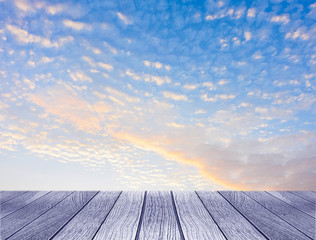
[72, 217]
[290, 205]
[211, 215]
[278, 216]
[12, 198]
[25, 205]
[177, 216]
[39, 216]
[301, 197]
[244, 216]
[141, 217]
[106, 215]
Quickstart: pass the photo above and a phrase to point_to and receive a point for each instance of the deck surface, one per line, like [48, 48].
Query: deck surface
[160, 215]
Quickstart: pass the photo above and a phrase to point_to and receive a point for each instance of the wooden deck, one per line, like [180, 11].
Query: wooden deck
[157, 215]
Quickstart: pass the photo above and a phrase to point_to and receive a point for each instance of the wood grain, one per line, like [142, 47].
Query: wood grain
[8, 195]
[269, 224]
[159, 221]
[230, 221]
[196, 222]
[86, 223]
[310, 196]
[19, 219]
[296, 201]
[291, 215]
[19, 202]
[49, 223]
[122, 222]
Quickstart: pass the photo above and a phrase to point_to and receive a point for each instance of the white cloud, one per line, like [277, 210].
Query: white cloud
[23, 37]
[157, 65]
[124, 19]
[217, 97]
[175, 96]
[222, 82]
[298, 34]
[79, 76]
[54, 9]
[190, 86]
[77, 25]
[159, 80]
[248, 36]
[281, 19]
[24, 5]
[210, 85]
[251, 12]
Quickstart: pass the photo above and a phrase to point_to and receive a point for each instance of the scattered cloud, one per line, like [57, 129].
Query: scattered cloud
[78, 26]
[79, 76]
[217, 97]
[124, 18]
[175, 96]
[281, 19]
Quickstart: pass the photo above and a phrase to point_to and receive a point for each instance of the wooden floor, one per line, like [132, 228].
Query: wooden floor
[157, 215]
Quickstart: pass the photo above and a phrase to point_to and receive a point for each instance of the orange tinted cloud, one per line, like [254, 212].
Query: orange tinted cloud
[63, 101]
[236, 167]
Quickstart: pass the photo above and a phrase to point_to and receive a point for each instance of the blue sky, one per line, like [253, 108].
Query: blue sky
[157, 95]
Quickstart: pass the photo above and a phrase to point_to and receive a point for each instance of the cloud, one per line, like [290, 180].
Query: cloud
[251, 12]
[247, 36]
[124, 19]
[189, 86]
[92, 63]
[159, 80]
[175, 96]
[298, 34]
[217, 97]
[157, 65]
[23, 37]
[64, 102]
[241, 165]
[281, 19]
[78, 26]
[79, 76]
[54, 9]
[24, 5]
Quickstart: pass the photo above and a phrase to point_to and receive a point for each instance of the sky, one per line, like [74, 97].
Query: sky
[148, 95]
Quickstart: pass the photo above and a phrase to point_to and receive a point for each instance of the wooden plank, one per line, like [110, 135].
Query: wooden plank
[8, 195]
[268, 223]
[19, 202]
[49, 223]
[310, 196]
[17, 220]
[296, 201]
[196, 222]
[122, 222]
[159, 220]
[230, 221]
[291, 215]
[87, 222]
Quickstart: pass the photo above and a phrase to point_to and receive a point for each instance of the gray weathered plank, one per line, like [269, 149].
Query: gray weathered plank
[19, 202]
[159, 221]
[296, 201]
[86, 223]
[291, 215]
[122, 222]
[17, 220]
[230, 221]
[44, 227]
[268, 223]
[310, 196]
[8, 195]
[196, 222]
